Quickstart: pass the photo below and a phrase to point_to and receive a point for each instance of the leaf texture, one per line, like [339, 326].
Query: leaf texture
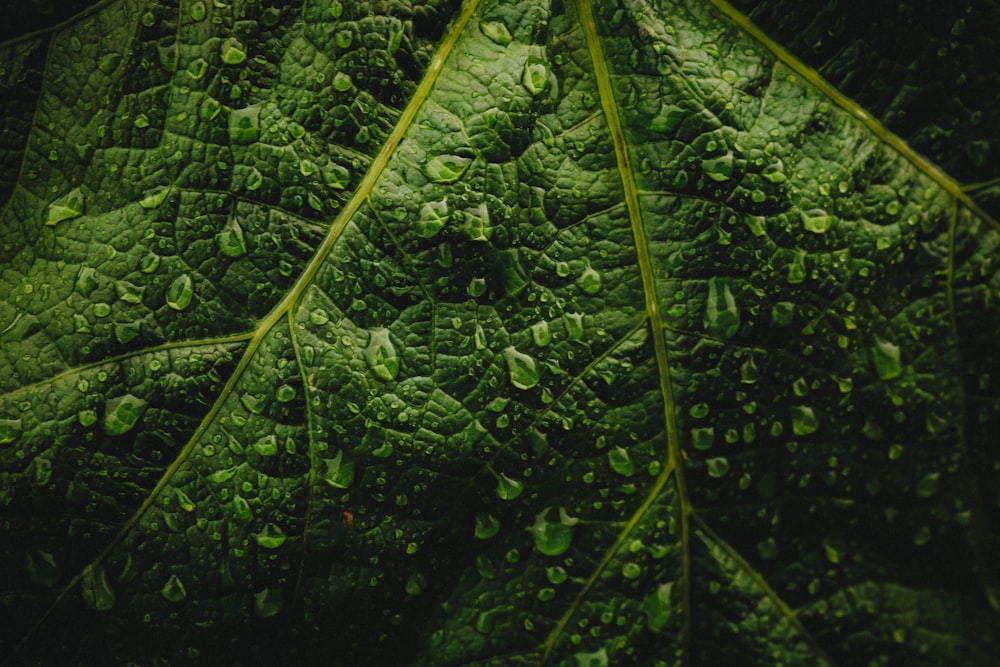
[495, 333]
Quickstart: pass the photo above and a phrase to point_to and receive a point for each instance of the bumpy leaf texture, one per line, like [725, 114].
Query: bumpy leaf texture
[498, 333]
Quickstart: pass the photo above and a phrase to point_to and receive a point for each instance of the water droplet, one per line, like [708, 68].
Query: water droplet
[446, 168]
[590, 280]
[522, 368]
[553, 537]
[381, 355]
[180, 292]
[109, 62]
[230, 240]
[432, 218]
[702, 438]
[658, 607]
[271, 537]
[244, 125]
[487, 619]
[621, 462]
[699, 410]
[487, 526]
[717, 467]
[198, 11]
[268, 602]
[155, 197]
[509, 488]
[722, 317]
[536, 75]
[887, 359]
[803, 420]
[816, 220]
[285, 393]
[10, 430]
[667, 118]
[928, 485]
[184, 501]
[718, 168]
[336, 176]
[267, 446]
[174, 590]
[42, 568]
[67, 207]
[497, 32]
[598, 658]
[197, 68]
[782, 313]
[573, 322]
[344, 38]
[342, 81]
[477, 223]
[797, 268]
[97, 592]
[540, 333]
[233, 51]
[546, 594]
[129, 292]
[631, 570]
[339, 471]
[122, 413]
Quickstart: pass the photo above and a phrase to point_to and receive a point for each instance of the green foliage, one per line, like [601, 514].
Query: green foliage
[589, 333]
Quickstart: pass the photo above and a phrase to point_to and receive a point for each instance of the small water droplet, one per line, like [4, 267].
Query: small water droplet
[540, 333]
[887, 358]
[174, 590]
[198, 11]
[804, 420]
[180, 293]
[487, 526]
[267, 446]
[432, 218]
[631, 570]
[339, 471]
[342, 81]
[717, 467]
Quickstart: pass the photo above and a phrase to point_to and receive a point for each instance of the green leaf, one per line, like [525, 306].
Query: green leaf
[497, 333]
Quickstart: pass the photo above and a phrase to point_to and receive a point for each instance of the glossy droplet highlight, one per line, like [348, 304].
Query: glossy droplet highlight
[67, 207]
[621, 462]
[154, 197]
[816, 221]
[122, 413]
[174, 590]
[497, 32]
[722, 317]
[446, 168]
[271, 537]
[432, 219]
[180, 293]
[536, 75]
[553, 535]
[887, 358]
[244, 125]
[381, 355]
[804, 420]
[487, 526]
[339, 471]
[10, 430]
[509, 488]
[658, 607]
[590, 280]
[233, 51]
[523, 369]
[230, 240]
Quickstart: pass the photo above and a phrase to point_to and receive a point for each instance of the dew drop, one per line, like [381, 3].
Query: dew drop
[381, 355]
[446, 168]
[621, 462]
[67, 207]
[271, 537]
[180, 293]
[536, 75]
[717, 467]
[816, 221]
[342, 82]
[154, 197]
[590, 280]
[233, 51]
[198, 11]
[268, 602]
[230, 240]
[487, 526]
[509, 488]
[553, 536]
[523, 369]
[722, 317]
[432, 218]
[497, 32]
[804, 420]
[173, 590]
[540, 333]
[887, 358]
[122, 413]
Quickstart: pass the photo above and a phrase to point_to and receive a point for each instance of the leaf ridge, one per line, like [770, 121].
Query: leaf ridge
[674, 456]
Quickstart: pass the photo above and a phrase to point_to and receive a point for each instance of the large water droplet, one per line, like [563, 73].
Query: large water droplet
[522, 368]
[271, 537]
[339, 471]
[244, 125]
[621, 462]
[497, 32]
[230, 240]
[198, 11]
[536, 75]
[804, 420]
[887, 358]
[722, 317]
[129, 292]
[381, 355]
[67, 207]
[233, 51]
[816, 221]
[553, 536]
[267, 446]
[97, 592]
[590, 280]
[702, 438]
[42, 568]
[174, 590]
[122, 413]
[10, 430]
[717, 467]
[342, 81]
[432, 218]
[509, 488]
[446, 168]
[154, 197]
[658, 607]
[180, 292]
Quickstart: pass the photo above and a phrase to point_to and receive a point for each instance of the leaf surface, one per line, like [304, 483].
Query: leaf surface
[495, 333]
